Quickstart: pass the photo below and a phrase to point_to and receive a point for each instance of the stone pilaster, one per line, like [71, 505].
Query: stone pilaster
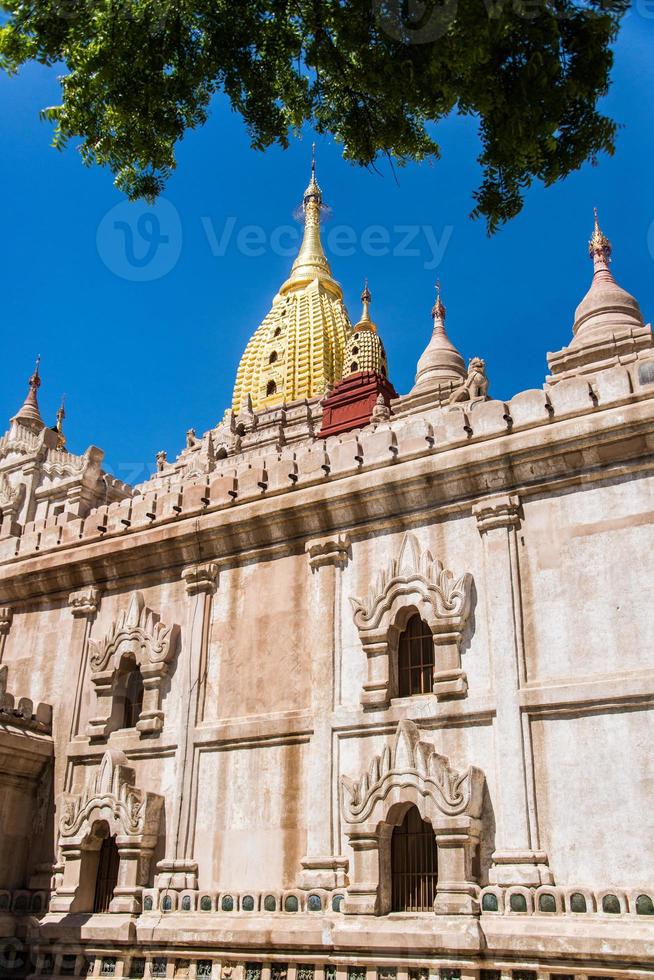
[31, 478]
[363, 893]
[515, 861]
[179, 868]
[321, 868]
[6, 617]
[83, 605]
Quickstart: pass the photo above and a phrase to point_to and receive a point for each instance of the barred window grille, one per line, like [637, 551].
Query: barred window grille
[416, 659]
[414, 864]
[107, 876]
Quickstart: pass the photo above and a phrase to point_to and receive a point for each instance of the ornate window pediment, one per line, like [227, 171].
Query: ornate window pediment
[408, 773]
[111, 795]
[414, 582]
[136, 631]
[111, 801]
[137, 639]
[410, 763]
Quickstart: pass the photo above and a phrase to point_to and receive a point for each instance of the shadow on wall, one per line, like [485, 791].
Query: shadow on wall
[160, 849]
[471, 623]
[487, 842]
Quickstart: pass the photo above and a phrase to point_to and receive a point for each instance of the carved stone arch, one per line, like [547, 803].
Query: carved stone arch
[130, 814]
[413, 582]
[411, 772]
[137, 636]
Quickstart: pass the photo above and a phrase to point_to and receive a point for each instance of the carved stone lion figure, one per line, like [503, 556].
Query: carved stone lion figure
[475, 385]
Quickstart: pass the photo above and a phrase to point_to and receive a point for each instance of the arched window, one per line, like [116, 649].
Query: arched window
[354, 367]
[414, 864]
[273, 357]
[415, 659]
[271, 388]
[107, 877]
[133, 698]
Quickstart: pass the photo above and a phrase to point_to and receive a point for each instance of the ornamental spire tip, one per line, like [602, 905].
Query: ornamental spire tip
[599, 245]
[438, 309]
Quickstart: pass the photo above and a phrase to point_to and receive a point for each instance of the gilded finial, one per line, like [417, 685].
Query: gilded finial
[438, 309]
[599, 245]
[313, 192]
[35, 380]
[366, 298]
[58, 427]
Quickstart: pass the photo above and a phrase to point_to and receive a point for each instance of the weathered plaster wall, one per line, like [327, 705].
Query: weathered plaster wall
[251, 816]
[588, 583]
[259, 659]
[595, 785]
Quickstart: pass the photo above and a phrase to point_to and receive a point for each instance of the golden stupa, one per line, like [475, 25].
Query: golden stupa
[298, 350]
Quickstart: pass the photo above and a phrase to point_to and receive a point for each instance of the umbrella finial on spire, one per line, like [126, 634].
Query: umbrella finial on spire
[58, 427]
[35, 380]
[599, 245]
[438, 309]
[29, 414]
[366, 299]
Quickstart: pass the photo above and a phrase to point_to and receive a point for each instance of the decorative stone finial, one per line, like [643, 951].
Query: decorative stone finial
[29, 414]
[381, 412]
[606, 306]
[162, 459]
[608, 327]
[441, 363]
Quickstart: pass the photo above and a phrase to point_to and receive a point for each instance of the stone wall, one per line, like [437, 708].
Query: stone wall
[267, 686]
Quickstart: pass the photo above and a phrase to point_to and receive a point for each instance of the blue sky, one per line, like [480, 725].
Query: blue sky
[146, 349]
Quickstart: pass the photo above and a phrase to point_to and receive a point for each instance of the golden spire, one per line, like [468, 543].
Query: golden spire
[365, 350]
[58, 427]
[29, 413]
[365, 323]
[297, 351]
[311, 262]
[599, 243]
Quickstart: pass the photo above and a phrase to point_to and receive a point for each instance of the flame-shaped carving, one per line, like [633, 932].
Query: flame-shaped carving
[414, 571]
[111, 794]
[136, 631]
[412, 763]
